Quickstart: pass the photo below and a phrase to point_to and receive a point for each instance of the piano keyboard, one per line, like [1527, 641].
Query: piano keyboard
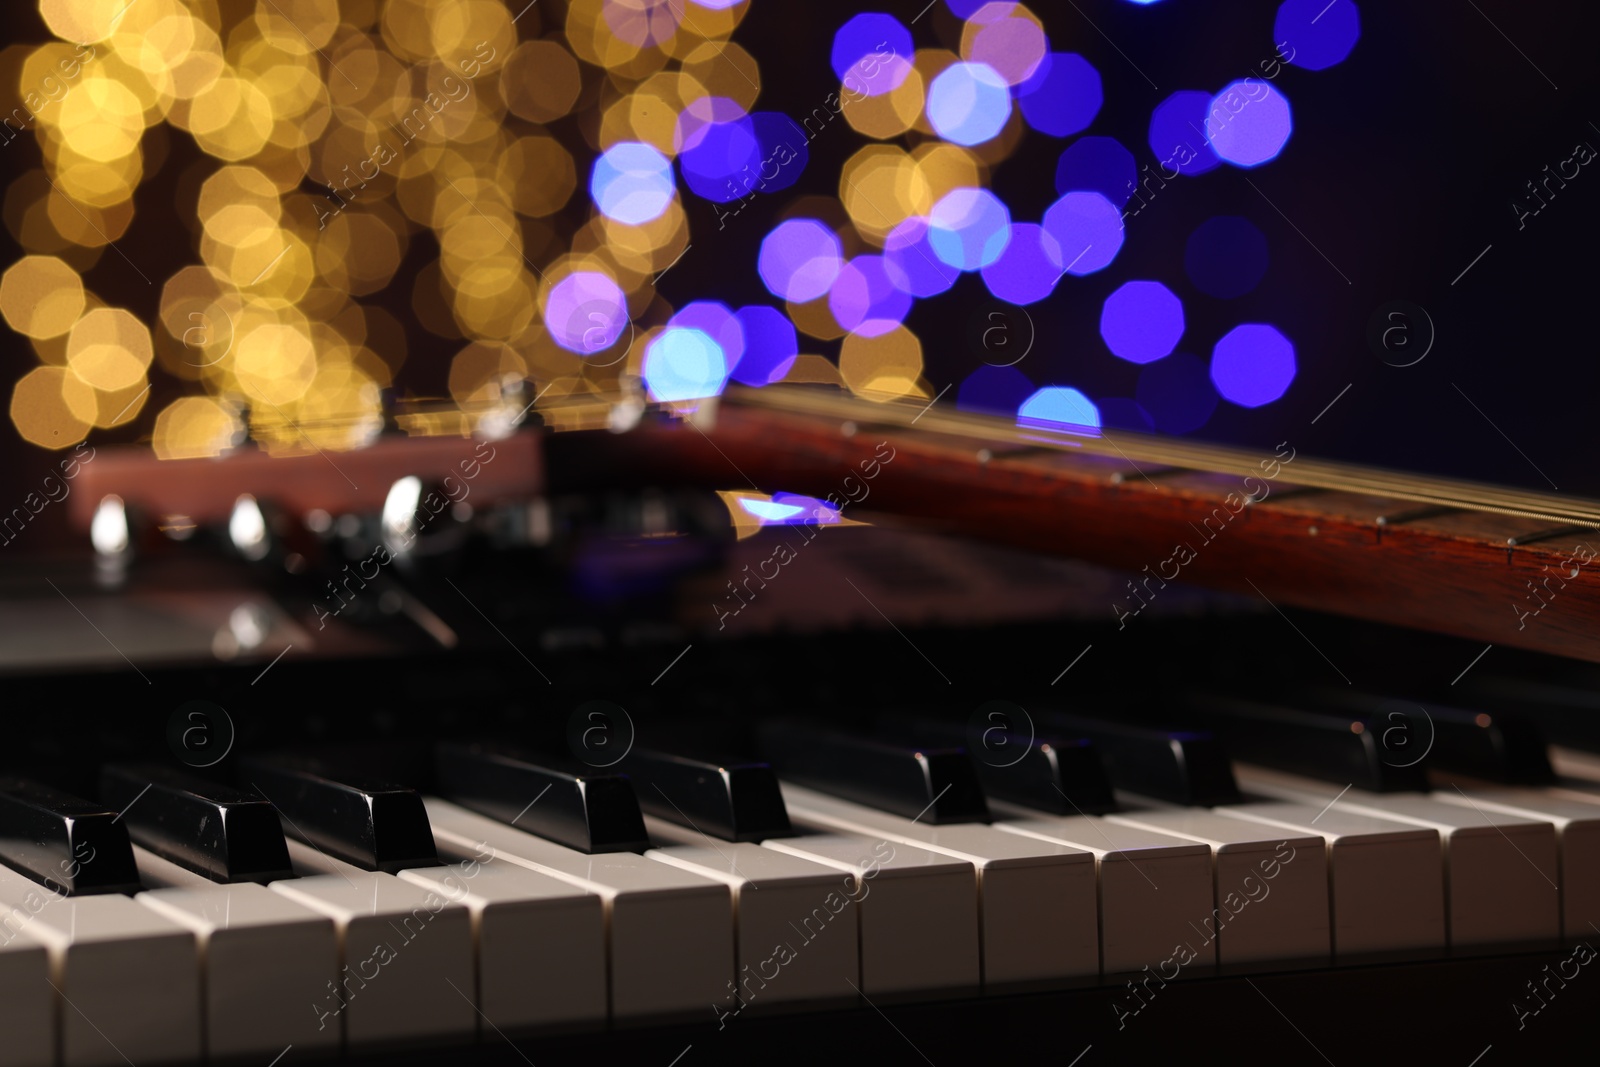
[370, 940]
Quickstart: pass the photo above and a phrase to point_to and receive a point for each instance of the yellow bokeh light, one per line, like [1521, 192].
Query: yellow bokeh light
[540, 81]
[81, 20]
[41, 296]
[882, 368]
[194, 427]
[274, 363]
[45, 406]
[109, 349]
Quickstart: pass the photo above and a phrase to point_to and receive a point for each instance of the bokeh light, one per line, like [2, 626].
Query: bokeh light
[1087, 229]
[1249, 123]
[992, 390]
[884, 366]
[1252, 365]
[1142, 321]
[1226, 256]
[632, 183]
[1059, 407]
[969, 103]
[1006, 36]
[800, 259]
[1028, 269]
[1316, 33]
[864, 301]
[684, 364]
[968, 229]
[1178, 133]
[1063, 96]
[586, 312]
[864, 50]
[718, 322]
[911, 262]
[1097, 165]
[770, 345]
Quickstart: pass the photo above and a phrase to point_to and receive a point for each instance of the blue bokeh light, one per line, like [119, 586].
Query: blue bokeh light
[800, 259]
[912, 264]
[1059, 407]
[1178, 133]
[1177, 393]
[632, 183]
[784, 154]
[969, 228]
[1142, 321]
[1249, 123]
[1088, 231]
[863, 48]
[770, 345]
[1226, 256]
[969, 103]
[1027, 271]
[994, 390]
[863, 299]
[965, 9]
[1097, 165]
[723, 160]
[1317, 33]
[1120, 413]
[717, 321]
[1252, 365]
[1062, 96]
[684, 364]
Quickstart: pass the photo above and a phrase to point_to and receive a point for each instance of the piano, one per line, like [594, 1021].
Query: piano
[573, 531]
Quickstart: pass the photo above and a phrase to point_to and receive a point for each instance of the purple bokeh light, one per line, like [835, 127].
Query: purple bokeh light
[1012, 45]
[863, 49]
[1088, 231]
[911, 262]
[800, 259]
[863, 299]
[1027, 271]
[1252, 365]
[1178, 133]
[586, 312]
[770, 345]
[1063, 96]
[994, 390]
[1317, 33]
[723, 161]
[1142, 321]
[1249, 123]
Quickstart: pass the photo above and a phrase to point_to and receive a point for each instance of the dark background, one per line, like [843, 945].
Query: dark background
[1403, 166]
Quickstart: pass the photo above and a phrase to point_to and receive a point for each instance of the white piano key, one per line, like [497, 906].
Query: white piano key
[1385, 878]
[1155, 889]
[1577, 823]
[540, 941]
[27, 1003]
[129, 979]
[1271, 887]
[1039, 915]
[671, 931]
[406, 953]
[1501, 875]
[918, 911]
[791, 949]
[264, 960]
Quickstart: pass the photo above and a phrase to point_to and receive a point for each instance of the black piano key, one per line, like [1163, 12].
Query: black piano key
[63, 842]
[588, 811]
[1500, 747]
[1179, 766]
[376, 825]
[735, 800]
[1046, 772]
[223, 833]
[932, 784]
[1346, 749]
